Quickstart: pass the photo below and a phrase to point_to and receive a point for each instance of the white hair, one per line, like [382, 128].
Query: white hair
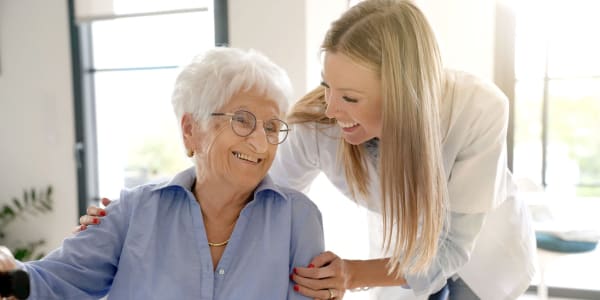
[209, 81]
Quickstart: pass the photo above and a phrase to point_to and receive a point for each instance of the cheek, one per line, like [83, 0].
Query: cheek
[375, 122]
[271, 158]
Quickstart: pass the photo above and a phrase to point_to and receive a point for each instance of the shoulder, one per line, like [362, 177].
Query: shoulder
[135, 195]
[472, 106]
[299, 202]
[470, 91]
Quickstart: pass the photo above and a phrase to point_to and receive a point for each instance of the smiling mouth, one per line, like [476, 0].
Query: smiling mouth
[246, 157]
[347, 125]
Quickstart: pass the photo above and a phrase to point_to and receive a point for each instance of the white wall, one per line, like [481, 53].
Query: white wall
[465, 32]
[289, 32]
[36, 113]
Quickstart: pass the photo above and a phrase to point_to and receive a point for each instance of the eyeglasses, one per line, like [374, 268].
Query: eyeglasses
[243, 123]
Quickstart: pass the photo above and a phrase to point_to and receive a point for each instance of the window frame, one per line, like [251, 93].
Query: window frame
[85, 148]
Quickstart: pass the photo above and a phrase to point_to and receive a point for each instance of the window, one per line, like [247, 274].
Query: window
[557, 97]
[556, 145]
[128, 64]
[137, 135]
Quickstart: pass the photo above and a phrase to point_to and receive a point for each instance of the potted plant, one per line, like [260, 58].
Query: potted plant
[32, 204]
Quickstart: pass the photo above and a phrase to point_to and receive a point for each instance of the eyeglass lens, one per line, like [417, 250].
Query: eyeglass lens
[243, 123]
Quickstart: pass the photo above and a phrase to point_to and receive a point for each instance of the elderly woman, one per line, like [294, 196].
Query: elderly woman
[219, 230]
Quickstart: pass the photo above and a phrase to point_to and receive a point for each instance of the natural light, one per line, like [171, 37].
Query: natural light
[556, 62]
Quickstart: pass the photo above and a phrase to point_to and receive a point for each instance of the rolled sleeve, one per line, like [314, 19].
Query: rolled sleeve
[85, 265]
[455, 251]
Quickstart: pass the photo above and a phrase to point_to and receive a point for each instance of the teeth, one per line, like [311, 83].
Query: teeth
[246, 157]
[347, 125]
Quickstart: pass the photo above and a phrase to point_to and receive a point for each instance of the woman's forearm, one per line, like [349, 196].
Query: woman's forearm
[371, 273]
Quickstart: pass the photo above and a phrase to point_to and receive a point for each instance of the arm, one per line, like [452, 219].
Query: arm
[454, 252]
[307, 237]
[373, 273]
[85, 265]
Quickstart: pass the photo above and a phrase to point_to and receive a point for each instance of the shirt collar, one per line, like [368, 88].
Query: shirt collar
[186, 178]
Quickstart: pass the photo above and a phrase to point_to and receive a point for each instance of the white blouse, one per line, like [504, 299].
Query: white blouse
[490, 243]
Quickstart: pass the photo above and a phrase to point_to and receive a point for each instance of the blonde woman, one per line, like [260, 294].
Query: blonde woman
[422, 146]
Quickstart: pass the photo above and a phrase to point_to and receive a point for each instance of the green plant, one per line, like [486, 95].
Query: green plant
[33, 204]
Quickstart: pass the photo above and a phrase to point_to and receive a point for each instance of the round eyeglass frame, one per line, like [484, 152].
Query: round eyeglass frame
[241, 111]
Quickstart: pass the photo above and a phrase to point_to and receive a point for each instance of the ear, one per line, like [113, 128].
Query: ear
[188, 125]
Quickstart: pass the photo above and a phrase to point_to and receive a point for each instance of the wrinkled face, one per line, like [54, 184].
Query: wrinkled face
[240, 161]
[353, 95]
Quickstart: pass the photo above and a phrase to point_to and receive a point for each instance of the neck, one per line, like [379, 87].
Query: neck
[220, 205]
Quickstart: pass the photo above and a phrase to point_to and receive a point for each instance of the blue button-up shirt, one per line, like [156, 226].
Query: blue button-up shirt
[152, 245]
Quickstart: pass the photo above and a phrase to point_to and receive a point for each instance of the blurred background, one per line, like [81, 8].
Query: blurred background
[85, 106]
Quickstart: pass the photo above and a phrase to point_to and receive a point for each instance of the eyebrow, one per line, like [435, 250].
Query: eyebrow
[246, 108]
[341, 89]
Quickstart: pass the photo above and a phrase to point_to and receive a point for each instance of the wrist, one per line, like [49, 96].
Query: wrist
[364, 274]
[353, 280]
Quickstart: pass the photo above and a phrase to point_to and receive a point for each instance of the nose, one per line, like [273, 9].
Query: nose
[332, 104]
[258, 138]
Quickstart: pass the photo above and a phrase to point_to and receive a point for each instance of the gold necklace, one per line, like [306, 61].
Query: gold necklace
[221, 244]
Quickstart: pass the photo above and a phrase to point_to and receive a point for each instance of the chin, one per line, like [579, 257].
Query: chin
[355, 140]
[251, 181]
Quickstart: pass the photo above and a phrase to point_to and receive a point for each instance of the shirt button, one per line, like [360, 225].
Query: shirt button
[221, 272]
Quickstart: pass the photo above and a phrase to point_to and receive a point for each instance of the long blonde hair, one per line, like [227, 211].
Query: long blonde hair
[394, 39]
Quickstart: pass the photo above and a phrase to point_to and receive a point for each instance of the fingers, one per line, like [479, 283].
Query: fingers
[95, 211]
[327, 272]
[7, 261]
[323, 259]
[93, 215]
[89, 220]
[79, 228]
[318, 267]
[313, 284]
[315, 272]
[323, 294]
[105, 202]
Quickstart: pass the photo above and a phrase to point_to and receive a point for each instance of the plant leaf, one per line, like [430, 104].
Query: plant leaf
[17, 204]
[46, 205]
[32, 195]
[22, 254]
[8, 211]
[49, 192]
[39, 208]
